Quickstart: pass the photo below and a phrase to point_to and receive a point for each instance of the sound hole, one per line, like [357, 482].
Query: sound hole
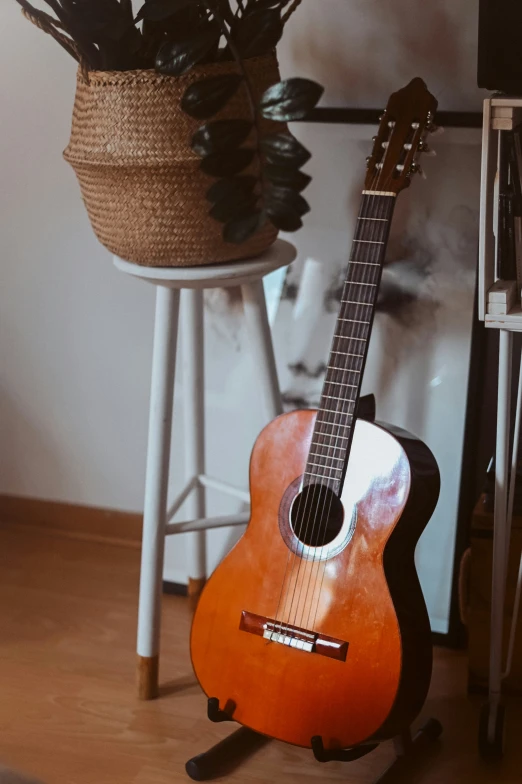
[316, 515]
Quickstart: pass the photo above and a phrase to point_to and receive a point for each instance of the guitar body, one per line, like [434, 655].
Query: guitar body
[361, 590]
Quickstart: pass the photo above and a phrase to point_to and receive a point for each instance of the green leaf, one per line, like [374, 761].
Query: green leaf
[227, 164]
[227, 210]
[236, 187]
[232, 197]
[258, 32]
[283, 149]
[290, 100]
[242, 228]
[157, 10]
[220, 136]
[287, 178]
[285, 220]
[285, 208]
[281, 199]
[177, 57]
[207, 96]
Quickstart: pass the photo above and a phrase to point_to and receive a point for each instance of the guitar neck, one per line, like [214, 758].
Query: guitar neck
[333, 430]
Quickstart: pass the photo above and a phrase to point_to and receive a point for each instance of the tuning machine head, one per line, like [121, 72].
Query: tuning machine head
[424, 148]
[415, 168]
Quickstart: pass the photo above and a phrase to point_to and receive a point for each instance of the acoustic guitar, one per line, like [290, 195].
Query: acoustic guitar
[314, 625]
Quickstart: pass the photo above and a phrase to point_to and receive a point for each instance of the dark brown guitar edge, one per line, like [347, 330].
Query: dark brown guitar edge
[404, 585]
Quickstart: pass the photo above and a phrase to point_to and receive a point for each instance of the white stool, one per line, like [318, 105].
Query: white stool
[156, 517]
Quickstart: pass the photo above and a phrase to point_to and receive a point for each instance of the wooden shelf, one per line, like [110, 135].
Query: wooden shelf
[511, 321]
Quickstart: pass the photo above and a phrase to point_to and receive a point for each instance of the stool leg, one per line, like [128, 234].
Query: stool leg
[156, 489]
[194, 415]
[254, 304]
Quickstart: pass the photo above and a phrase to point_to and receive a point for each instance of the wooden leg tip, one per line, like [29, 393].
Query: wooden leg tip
[195, 587]
[148, 672]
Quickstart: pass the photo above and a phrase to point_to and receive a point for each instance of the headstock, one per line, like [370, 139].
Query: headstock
[406, 122]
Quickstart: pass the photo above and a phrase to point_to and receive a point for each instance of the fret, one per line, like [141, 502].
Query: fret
[319, 465]
[342, 383]
[347, 399]
[370, 257]
[330, 457]
[346, 354]
[348, 337]
[340, 448]
[354, 302]
[328, 476]
[331, 424]
[321, 476]
[370, 242]
[337, 413]
[373, 219]
[354, 321]
[359, 283]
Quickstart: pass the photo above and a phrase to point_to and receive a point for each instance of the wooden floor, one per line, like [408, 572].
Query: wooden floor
[68, 712]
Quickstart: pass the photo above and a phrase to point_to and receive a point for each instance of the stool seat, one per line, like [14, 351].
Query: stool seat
[236, 273]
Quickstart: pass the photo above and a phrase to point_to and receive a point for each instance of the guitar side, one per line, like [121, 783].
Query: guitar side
[354, 596]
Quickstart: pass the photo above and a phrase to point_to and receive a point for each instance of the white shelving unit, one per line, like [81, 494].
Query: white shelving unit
[500, 114]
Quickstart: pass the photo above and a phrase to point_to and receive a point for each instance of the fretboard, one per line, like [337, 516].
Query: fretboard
[333, 431]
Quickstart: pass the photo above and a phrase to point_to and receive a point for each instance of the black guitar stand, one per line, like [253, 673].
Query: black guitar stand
[226, 755]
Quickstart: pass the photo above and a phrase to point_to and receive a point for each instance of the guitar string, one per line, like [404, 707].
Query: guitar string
[388, 208]
[342, 407]
[327, 460]
[296, 555]
[311, 504]
[329, 467]
[363, 307]
[331, 477]
[385, 212]
[367, 208]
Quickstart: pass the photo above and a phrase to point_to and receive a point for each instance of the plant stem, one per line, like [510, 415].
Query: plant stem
[290, 10]
[224, 6]
[53, 27]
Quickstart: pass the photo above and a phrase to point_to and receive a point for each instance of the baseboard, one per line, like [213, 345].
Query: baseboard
[89, 523]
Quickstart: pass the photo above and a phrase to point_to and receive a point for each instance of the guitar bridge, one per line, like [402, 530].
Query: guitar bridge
[293, 636]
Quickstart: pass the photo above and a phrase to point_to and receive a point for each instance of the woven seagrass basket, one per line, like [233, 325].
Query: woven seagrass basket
[140, 180]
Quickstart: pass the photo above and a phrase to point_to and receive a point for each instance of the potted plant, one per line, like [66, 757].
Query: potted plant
[179, 137]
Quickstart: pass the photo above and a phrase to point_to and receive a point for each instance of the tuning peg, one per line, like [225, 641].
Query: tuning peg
[423, 147]
[416, 169]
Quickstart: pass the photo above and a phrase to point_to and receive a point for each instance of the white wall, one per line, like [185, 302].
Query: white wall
[75, 335]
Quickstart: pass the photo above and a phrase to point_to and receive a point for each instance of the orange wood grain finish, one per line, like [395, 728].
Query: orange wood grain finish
[280, 691]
